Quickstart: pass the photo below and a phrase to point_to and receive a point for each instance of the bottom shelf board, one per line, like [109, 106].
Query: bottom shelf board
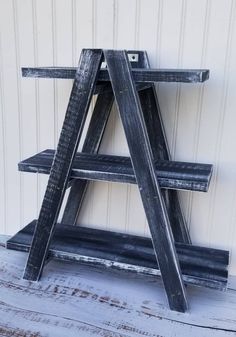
[200, 266]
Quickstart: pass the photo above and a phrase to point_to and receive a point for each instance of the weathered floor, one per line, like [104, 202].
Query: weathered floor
[77, 300]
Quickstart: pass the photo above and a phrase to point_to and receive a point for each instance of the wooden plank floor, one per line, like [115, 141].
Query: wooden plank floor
[77, 300]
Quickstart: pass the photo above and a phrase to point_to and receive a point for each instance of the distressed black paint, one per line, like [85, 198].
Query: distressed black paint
[72, 128]
[92, 142]
[200, 265]
[139, 75]
[157, 138]
[150, 167]
[143, 164]
[170, 174]
[91, 145]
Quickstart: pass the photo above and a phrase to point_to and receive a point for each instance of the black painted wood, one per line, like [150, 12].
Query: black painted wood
[152, 116]
[200, 265]
[91, 145]
[156, 133]
[171, 175]
[104, 87]
[143, 163]
[80, 97]
[93, 139]
[139, 75]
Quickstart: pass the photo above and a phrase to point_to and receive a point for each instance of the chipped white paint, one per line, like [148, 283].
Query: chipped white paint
[76, 300]
[199, 119]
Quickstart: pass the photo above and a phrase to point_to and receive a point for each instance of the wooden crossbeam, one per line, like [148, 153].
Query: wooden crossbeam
[139, 75]
[133, 122]
[72, 128]
[170, 174]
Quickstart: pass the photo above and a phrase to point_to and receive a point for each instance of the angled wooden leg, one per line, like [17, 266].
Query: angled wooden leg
[77, 109]
[143, 163]
[152, 115]
[91, 144]
[151, 112]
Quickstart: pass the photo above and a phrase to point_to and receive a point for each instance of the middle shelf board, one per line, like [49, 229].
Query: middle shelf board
[171, 174]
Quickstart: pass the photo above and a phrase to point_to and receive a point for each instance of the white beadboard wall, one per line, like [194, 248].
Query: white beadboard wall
[200, 120]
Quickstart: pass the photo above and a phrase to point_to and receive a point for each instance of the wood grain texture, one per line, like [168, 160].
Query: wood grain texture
[71, 301]
[140, 75]
[143, 164]
[77, 109]
[200, 266]
[171, 175]
[160, 150]
[91, 145]
[197, 123]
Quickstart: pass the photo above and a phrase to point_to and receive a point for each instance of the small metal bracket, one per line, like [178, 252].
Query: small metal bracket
[133, 57]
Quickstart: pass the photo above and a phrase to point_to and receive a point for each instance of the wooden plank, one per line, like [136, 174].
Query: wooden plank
[152, 116]
[72, 300]
[104, 87]
[170, 174]
[139, 75]
[81, 94]
[157, 138]
[200, 266]
[91, 145]
[143, 163]
[92, 142]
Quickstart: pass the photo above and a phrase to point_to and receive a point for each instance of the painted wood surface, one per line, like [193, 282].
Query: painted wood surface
[200, 266]
[73, 300]
[91, 144]
[172, 175]
[199, 120]
[142, 159]
[76, 113]
[139, 75]
[156, 133]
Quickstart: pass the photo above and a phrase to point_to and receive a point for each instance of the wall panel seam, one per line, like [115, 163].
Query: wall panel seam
[3, 126]
[19, 103]
[221, 121]
[201, 92]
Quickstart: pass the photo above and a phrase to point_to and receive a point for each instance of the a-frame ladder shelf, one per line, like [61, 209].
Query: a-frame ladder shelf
[128, 80]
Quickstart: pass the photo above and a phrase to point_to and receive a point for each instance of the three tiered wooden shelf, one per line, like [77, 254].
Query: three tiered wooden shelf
[127, 79]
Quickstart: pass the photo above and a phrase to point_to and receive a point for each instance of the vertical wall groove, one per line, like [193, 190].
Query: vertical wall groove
[158, 34]
[200, 99]
[178, 86]
[37, 100]
[20, 142]
[73, 24]
[4, 154]
[94, 21]
[54, 51]
[221, 116]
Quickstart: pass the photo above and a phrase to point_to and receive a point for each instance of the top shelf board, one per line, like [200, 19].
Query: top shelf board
[139, 74]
